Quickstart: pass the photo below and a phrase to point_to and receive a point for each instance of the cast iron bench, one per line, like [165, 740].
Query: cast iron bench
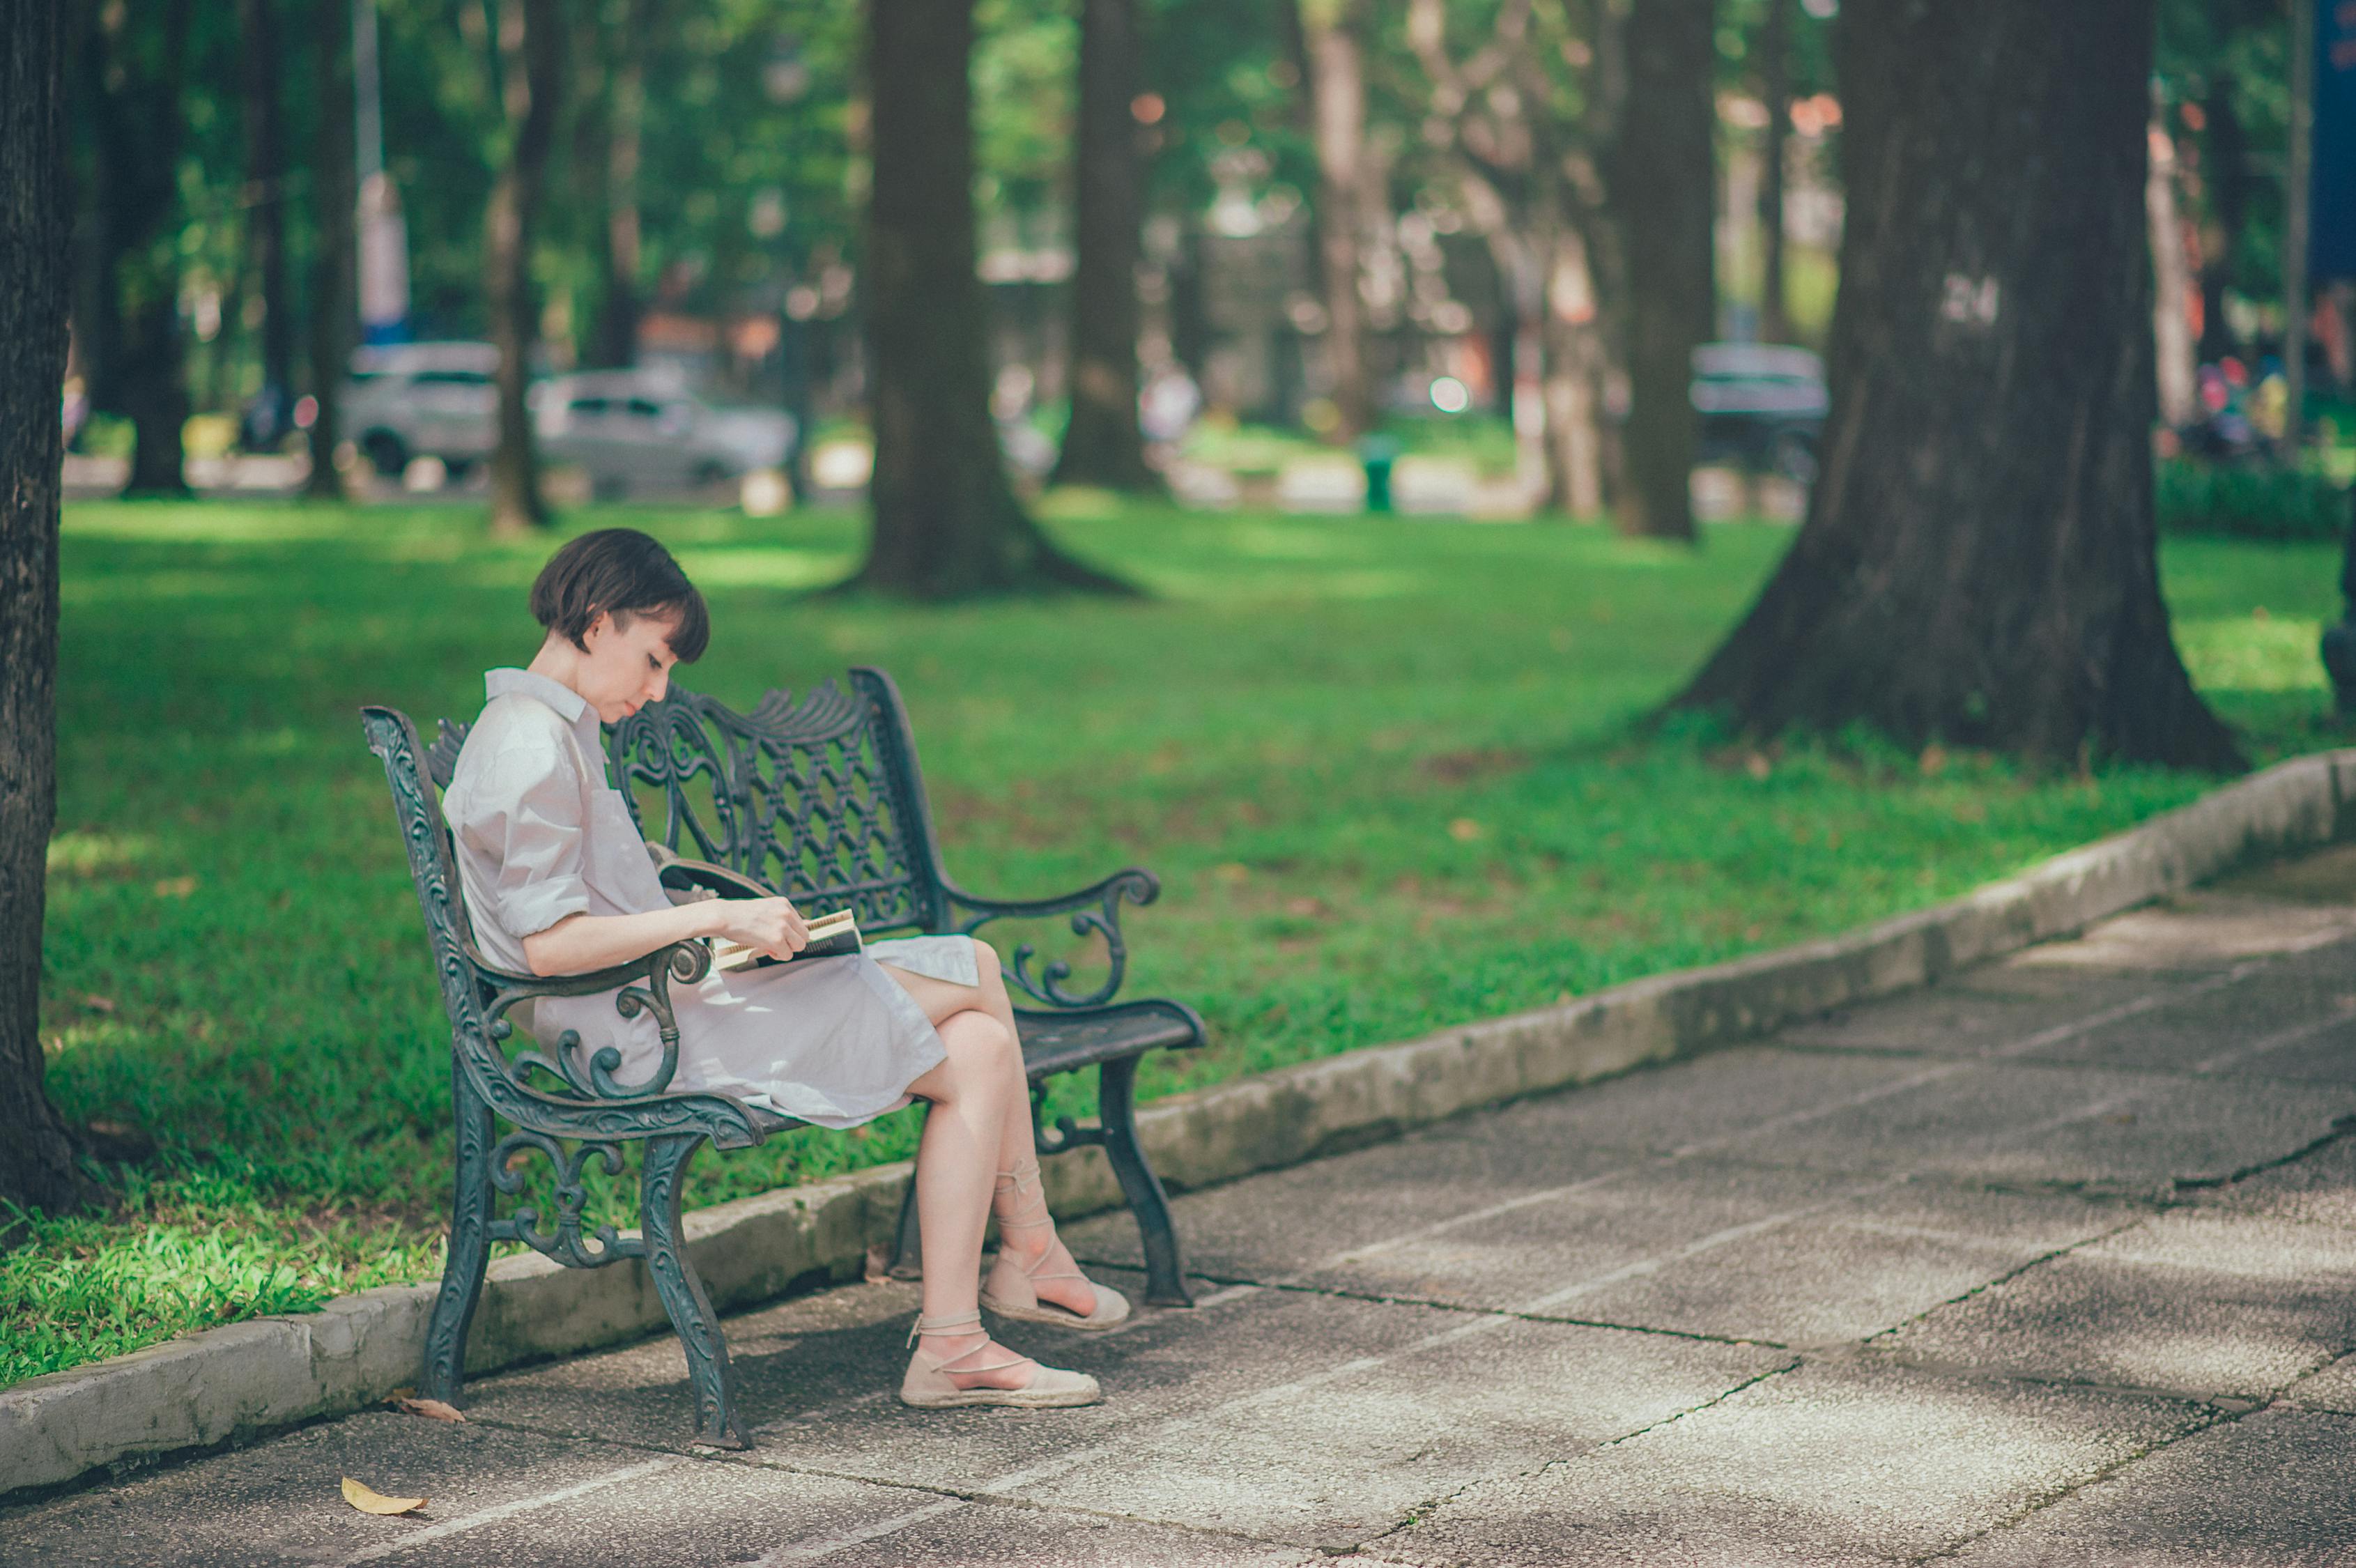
[821, 801]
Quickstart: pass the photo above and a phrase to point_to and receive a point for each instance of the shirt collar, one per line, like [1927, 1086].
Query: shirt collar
[569, 704]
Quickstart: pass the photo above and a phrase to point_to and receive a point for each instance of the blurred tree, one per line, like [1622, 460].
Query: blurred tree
[629, 26]
[946, 523]
[265, 195]
[333, 283]
[1774, 67]
[2171, 273]
[1102, 445]
[36, 1168]
[1979, 562]
[1522, 158]
[532, 62]
[1663, 178]
[2224, 74]
[132, 64]
[1336, 34]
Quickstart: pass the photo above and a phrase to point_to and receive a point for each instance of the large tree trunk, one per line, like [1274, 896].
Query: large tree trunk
[1775, 87]
[1335, 32]
[1979, 564]
[532, 59]
[132, 64]
[615, 340]
[265, 213]
[1102, 445]
[946, 523]
[37, 1167]
[333, 279]
[1664, 181]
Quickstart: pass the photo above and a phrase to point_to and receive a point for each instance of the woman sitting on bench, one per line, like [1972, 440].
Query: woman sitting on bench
[560, 882]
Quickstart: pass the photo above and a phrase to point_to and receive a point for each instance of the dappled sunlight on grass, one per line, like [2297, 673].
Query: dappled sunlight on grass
[2277, 654]
[1384, 768]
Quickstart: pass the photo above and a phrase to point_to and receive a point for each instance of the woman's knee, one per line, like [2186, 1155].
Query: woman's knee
[974, 1038]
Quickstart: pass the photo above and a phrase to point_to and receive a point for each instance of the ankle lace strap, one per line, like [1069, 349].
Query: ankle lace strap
[944, 1327]
[1014, 1186]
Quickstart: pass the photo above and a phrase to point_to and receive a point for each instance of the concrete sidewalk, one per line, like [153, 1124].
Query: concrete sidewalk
[2055, 1261]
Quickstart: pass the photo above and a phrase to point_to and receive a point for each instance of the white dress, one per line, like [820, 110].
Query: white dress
[539, 835]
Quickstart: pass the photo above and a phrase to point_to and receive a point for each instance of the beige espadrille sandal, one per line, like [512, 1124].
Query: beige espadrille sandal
[1012, 1291]
[931, 1382]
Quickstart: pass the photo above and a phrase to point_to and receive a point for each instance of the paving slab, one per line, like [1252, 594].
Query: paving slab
[1826, 1465]
[1275, 1225]
[2203, 1304]
[983, 1535]
[1867, 1262]
[2318, 1188]
[2269, 1490]
[2329, 1388]
[280, 1501]
[1988, 1012]
[2096, 1128]
[1376, 1408]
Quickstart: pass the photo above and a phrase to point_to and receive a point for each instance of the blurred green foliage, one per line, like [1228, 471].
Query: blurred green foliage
[2251, 500]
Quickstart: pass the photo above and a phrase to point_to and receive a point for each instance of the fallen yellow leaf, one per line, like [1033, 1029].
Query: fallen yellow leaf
[436, 1409]
[367, 1502]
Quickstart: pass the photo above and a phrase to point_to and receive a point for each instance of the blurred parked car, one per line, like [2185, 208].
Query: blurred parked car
[1762, 407]
[421, 400]
[630, 430]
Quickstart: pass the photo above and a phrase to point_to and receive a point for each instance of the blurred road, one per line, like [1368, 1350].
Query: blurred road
[2053, 1263]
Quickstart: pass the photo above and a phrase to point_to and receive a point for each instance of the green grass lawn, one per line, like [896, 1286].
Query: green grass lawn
[1384, 766]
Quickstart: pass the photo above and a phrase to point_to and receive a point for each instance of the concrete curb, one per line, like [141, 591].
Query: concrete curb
[228, 1383]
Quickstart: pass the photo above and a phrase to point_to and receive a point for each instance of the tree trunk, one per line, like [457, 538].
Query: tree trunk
[1979, 564]
[334, 281]
[131, 75]
[1102, 445]
[1575, 369]
[533, 69]
[36, 1166]
[946, 523]
[1662, 188]
[1335, 31]
[614, 341]
[265, 213]
[2225, 171]
[2171, 273]
[1775, 87]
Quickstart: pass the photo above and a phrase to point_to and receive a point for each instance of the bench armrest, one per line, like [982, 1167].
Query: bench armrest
[644, 984]
[1095, 907]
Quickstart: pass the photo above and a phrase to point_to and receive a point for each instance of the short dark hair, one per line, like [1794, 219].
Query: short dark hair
[622, 573]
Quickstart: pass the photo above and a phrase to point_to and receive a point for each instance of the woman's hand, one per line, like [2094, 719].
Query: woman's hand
[772, 925]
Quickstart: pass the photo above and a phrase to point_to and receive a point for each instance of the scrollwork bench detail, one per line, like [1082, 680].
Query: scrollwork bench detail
[821, 801]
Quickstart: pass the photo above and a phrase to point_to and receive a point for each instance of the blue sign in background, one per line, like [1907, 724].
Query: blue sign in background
[2332, 235]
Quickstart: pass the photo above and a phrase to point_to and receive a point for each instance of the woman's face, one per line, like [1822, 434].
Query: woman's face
[628, 664]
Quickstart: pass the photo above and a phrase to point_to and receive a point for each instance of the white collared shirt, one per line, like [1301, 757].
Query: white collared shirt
[539, 833]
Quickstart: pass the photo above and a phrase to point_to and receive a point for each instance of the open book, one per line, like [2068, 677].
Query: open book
[830, 936]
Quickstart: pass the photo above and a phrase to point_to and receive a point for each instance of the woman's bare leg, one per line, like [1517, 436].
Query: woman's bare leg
[942, 1000]
[957, 1168]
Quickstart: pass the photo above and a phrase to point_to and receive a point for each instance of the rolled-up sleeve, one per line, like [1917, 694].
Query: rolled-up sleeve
[524, 818]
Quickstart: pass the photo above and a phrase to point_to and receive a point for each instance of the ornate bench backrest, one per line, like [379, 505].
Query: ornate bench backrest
[820, 798]
[434, 871]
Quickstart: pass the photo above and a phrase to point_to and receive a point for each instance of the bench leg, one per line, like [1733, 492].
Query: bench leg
[470, 1247]
[1165, 1282]
[682, 1294]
